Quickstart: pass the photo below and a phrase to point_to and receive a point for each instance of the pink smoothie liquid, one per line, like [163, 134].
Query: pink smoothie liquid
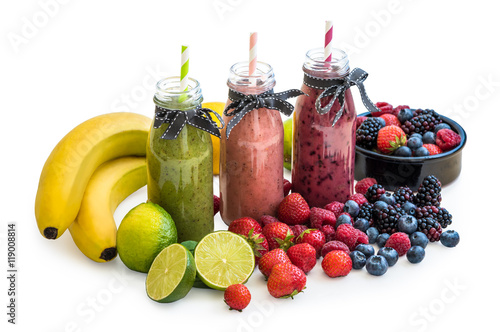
[323, 156]
[251, 164]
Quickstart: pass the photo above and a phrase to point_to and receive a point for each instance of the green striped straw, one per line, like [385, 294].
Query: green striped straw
[184, 71]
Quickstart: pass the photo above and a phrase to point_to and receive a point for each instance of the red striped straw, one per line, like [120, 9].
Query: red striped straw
[252, 60]
[328, 40]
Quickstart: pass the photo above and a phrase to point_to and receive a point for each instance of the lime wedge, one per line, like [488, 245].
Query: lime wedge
[171, 275]
[223, 258]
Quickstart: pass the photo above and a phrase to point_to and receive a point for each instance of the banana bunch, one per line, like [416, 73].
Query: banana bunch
[89, 172]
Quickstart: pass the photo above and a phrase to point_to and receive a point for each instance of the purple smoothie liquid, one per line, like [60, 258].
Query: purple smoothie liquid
[323, 156]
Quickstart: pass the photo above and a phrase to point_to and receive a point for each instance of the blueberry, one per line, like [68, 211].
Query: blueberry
[414, 143]
[390, 254]
[416, 135]
[343, 219]
[388, 198]
[415, 254]
[422, 152]
[366, 249]
[376, 265]
[352, 208]
[405, 115]
[381, 239]
[440, 126]
[358, 259]
[362, 224]
[372, 233]
[407, 224]
[429, 138]
[382, 121]
[403, 151]
[380, 205]
[450, 238]
[419, 239]
[409, 208]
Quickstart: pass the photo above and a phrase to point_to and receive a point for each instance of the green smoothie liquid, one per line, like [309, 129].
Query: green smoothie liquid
[180, 178]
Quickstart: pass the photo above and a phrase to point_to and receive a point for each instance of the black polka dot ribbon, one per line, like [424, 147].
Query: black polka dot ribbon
[337, 87]
[198, 117]
[242, 104]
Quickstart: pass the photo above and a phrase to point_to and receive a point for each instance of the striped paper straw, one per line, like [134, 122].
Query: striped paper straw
[184, 67]
[252, 59]
[328, 40]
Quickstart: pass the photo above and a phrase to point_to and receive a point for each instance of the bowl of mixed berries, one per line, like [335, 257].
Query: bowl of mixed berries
[402, 145]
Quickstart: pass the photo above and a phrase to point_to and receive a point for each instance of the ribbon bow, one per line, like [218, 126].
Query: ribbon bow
[337, 87]
[242, 104]
[177, 119]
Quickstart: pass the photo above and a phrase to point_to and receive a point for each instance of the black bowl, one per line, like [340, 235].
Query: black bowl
[392, 172]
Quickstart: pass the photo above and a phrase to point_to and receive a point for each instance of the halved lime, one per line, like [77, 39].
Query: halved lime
[171, 275]
[223, 258]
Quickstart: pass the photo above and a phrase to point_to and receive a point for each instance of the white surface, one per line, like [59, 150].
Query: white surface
[88, 57]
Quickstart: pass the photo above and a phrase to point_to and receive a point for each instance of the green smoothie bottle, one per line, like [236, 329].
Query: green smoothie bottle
[179, 159]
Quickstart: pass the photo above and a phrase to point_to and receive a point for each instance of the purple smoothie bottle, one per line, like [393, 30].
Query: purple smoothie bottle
[323, 144]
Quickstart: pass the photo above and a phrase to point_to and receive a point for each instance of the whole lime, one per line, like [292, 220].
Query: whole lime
[144, 231]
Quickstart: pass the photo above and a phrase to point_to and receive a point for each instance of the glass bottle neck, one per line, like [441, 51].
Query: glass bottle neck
[316, 65]
[261, 81]
[169, 95]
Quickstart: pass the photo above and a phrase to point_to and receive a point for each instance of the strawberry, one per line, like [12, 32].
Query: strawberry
[270, 259]
[259, 244]
[293, 210]
[334, 245]
[329, 232]
[433, 149]
[383, 107]
[278, 235]
[390, 119]
[216, 204]
[337, 263]
[287, 186]
[266, 219]
[358, 198]
[286, 280]
[237, 297]
[362, 185]
[320, 217]
[302, 255]
[347, 234]
[447, 139]
[314, 237]
[335, 207]
[390, 138]
[243, 226]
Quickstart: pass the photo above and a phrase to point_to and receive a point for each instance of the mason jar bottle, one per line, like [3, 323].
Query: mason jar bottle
[179, 168]
[251, 160]
[323, 144]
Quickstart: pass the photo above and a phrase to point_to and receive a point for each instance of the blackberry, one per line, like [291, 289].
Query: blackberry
[427, 211]
[374, 192]
[366, 134]
[443, 217]
[366, 212]
[430, 227]
[403, 195]
[429, 192]
[386, 220]
[420, 124]
[427, 112]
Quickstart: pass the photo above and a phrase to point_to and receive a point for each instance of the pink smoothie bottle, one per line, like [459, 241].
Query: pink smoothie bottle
[323, 144]
[251, 158]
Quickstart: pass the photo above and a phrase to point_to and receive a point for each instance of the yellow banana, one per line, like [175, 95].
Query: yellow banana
[94, 230]
[70, 165]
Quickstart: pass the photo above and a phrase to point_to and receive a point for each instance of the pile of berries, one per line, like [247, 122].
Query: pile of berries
[405, 132]
[341, 234]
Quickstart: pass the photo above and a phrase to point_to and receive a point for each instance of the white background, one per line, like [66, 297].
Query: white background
[64, 62]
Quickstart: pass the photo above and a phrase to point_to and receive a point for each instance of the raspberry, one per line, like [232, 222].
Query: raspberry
[358, 198]
[362, 185]
[400, 242]
[329, 232]
[383, 107]
[335, 207]
[362, 238]
[298, 229]
[396, 110]
[320, 217]
[447, 139]
[216, 204]
[433, 149]
[347, 234]
[334, 245]
[266, 219]
[390, 119]
[359, 120]
[287, 186]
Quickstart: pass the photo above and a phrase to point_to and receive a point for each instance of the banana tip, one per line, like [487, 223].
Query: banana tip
[50, 233]
[108, 254]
